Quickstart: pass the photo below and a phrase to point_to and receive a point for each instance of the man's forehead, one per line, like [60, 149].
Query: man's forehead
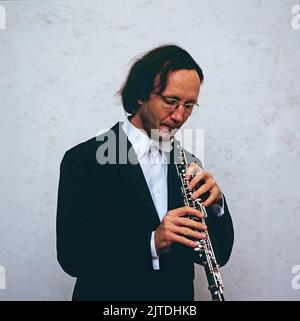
[183, 85]
[181, 78]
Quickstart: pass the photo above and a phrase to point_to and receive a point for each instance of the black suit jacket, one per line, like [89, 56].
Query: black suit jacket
[105, 217]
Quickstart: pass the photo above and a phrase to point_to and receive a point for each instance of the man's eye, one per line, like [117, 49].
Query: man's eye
[189, 106]
[170, 101]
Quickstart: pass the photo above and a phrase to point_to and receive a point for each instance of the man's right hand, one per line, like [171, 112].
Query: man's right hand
[176, 228]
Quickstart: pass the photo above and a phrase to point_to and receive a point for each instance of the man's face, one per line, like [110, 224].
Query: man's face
[183, 85]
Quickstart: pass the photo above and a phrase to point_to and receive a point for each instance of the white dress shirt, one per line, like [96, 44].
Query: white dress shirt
[154, 165]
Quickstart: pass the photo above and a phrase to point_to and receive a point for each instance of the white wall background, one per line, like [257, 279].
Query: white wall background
[61, 63]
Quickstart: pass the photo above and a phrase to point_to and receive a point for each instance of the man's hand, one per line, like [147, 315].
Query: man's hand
[210, 185]
[176, 228]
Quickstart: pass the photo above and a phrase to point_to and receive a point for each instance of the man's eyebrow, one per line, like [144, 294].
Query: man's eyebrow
[177, 98]
[173, 97]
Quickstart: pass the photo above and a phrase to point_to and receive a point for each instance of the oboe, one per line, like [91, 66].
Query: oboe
[204, 247]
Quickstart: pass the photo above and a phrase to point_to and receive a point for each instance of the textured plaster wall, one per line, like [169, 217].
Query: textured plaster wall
[61, 63]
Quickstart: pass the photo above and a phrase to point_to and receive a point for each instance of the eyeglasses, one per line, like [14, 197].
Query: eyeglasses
[171, 104]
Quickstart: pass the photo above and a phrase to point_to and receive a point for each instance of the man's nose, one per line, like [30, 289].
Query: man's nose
[178, 114]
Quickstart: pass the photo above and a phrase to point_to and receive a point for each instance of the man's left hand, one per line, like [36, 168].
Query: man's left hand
[209, 185]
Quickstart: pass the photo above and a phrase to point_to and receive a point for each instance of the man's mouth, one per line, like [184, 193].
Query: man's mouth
[164, 127]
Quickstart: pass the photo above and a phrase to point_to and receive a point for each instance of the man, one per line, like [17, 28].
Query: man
[122, 229]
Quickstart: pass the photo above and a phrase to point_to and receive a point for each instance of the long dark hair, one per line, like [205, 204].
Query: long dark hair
[159, 61]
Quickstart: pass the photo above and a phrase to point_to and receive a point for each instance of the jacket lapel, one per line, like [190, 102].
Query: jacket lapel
[133, 175]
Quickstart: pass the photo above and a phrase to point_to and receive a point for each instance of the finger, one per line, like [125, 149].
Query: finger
[202, 189]
[200, 176]
[184, 210]
[187, 232]
[212, 197]
[183, 240]
[186, 222]
[192, 169]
